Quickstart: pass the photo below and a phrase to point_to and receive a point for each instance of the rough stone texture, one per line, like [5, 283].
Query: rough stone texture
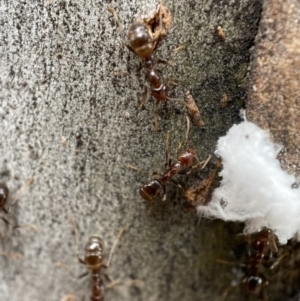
[274, 93]
[67, 120]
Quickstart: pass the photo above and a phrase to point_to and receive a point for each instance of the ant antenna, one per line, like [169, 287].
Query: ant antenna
[167, 148]
[112, 10]
[75, 228]
[114, 246]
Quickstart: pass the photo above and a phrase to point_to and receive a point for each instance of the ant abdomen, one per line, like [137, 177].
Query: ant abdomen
[93, 253]
[3, 195]
[151, 191]
[253, 284]
[140, 40]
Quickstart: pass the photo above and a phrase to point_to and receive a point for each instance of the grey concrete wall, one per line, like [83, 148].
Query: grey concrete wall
[68, 121]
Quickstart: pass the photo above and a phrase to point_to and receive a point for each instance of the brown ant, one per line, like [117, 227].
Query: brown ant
[263, 247]
[183, 166]
[93, 260]
[143, 40]
[155, 188]
[200, 193]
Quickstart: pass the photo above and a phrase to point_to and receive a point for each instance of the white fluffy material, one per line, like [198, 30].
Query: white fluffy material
[254, 188]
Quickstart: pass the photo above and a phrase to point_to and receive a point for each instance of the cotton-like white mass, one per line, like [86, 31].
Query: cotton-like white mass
[254, 188]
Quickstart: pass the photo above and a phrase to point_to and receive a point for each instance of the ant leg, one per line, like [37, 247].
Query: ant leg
[69, 297]
[165, 194]
[137, 169]
[7, 222]
[160, 61]
[264, 291]
[227, 290]
[10, 255]
[67, 268]
[143, 171]
[132, 282]
[188, 127]
[202, 164]
[144, 98]
[167, 163]
[122, 230]
[115, 15]
[112, 283]
[18, 195]
[149, 211]
[156, 125]
[178, 185]
[33, 227]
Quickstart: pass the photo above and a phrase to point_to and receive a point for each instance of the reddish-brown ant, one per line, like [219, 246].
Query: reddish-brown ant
[184, 164]
[263, 247]
[155, 188]
[143, 38]
[4, 193]
[93, 260]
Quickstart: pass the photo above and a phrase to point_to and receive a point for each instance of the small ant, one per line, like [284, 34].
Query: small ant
[155, 188]
[200, 193]
[143, 41]
[183, 166]
[263, 247]
[93, 260]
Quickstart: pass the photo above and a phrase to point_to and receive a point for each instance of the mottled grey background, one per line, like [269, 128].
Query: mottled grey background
[67, 120]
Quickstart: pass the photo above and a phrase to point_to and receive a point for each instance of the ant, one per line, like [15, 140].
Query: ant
[183, 166]
[4, 193]
[200, 193]
[93, 260]
[263, 247]
[143, 40]
[254, 282]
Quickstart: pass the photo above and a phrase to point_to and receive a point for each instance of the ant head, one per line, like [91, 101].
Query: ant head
[3, 195]
[187, 158]
[93, 253]
[151, 191]
[253, 284]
